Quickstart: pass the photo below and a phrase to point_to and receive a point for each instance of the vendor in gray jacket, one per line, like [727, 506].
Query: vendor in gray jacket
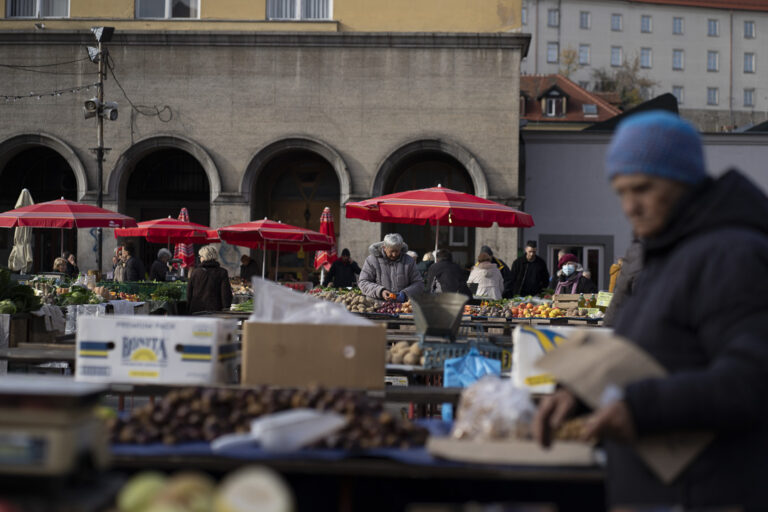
[388, 273]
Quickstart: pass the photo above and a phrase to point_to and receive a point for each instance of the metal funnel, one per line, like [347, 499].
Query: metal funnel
[438, 315]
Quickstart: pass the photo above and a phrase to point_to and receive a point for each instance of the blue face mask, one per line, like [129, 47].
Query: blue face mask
[568, 270]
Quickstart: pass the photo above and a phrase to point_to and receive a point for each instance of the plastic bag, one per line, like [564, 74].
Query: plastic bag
[278, 304]
[462, 372]
[494, 408]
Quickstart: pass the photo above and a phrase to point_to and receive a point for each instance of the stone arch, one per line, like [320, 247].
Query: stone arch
[18, 143]
[462, 155]
[118, 178]
[268, 152]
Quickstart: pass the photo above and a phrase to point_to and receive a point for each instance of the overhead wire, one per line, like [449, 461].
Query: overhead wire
[144, 110]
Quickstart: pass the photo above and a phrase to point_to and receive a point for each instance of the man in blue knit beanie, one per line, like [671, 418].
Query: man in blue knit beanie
[698, 307]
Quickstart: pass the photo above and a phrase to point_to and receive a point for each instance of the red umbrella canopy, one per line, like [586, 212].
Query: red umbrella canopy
[438, 205]
[272, 235]
[63, 213]
[170, 230]
[185, 251]
[325, 258]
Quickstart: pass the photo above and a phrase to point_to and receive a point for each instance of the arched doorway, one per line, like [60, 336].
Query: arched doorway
[48, 176]
[426, 169]
[161, 183]
[294, 187]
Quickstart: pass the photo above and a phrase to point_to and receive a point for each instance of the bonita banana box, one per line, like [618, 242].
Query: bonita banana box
[156, 350]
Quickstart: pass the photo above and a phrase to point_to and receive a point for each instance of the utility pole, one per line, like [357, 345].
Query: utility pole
[97, 107]
[100, 147]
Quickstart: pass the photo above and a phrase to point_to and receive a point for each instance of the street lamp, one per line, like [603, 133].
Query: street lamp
[95, 107]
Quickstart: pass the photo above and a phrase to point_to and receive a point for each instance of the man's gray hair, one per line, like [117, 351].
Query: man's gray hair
[394, 241]
[413, 254]
[164, 252]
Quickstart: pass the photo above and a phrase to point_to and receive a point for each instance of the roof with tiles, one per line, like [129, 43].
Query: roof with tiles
[533, 87]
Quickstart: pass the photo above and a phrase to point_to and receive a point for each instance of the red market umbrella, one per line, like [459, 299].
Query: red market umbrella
[170, 230]
[270, 235]
[63, 213]
[325, 258]
[184, 251]
[438, 205]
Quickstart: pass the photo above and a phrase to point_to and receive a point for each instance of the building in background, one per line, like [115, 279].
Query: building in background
[241, 110]
[553, 102]
[711, 54]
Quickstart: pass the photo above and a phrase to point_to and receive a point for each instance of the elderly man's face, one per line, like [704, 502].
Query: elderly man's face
[392, 253]
[530, 253]
[647, 201]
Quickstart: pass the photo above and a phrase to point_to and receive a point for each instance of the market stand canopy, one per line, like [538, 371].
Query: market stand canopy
[438, 206]
[170, 230]
[270, 235]
[63, 213]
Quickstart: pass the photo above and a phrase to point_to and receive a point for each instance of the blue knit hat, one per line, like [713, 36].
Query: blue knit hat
[659, 143]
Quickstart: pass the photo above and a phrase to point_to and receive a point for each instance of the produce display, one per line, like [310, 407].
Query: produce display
[243, 307]
[203, 414]
[16, 298]
[249, 488]
[404, 352]
[353, 300]
[395, 308]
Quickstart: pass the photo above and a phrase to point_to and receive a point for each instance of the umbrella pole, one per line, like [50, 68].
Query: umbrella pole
[263, 262]
[62, 242]
[277, 259]
[437, 232]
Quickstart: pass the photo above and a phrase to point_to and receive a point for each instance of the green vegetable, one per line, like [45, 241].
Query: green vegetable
[7, 307]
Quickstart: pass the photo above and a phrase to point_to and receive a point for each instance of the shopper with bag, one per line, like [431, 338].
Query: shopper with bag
[699, 310]
[388, 273]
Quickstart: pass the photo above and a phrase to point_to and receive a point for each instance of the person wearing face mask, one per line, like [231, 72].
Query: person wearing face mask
[388, 272]
[571, 279]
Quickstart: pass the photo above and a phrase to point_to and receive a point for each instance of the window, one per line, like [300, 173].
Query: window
[646, 25]
[589, 109]
[713, 61]
[299, 9]
[584, 54]
[553, 53]
[37, 8]
[616, 22]
[677, 92]
[713, 28]
[749, 30]
[553, 18]
[646, 58]
[524, 15]
[522, 106]
[749, 97]
[167, 8]
[585, 20]
[678, 60]
[616, 58]
[749, 62]
[713, 96]
[553, 107]
[677, 26]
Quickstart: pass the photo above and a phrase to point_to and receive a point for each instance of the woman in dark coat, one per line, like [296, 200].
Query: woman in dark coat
[208, 288]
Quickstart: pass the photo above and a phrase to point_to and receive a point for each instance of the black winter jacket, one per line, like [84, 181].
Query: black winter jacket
[529, 277]
[451, 276]
[134, 269]
[342, 274]
[208, 288]
[698, 307]
[158, 271]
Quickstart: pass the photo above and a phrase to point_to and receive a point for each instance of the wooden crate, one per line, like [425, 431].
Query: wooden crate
[568, 301]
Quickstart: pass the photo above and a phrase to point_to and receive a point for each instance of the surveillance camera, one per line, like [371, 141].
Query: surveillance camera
[109, 110]
[91, 107]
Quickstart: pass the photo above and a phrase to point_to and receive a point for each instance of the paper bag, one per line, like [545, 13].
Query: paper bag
[588, 362]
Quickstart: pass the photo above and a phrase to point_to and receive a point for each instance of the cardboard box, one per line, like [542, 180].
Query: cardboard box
[156, 349]
[297, 355]
[512, 451]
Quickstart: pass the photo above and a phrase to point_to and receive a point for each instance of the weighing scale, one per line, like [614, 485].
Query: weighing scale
[48, 426]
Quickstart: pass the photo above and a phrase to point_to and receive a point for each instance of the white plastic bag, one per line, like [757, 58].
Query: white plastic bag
[279, 304]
